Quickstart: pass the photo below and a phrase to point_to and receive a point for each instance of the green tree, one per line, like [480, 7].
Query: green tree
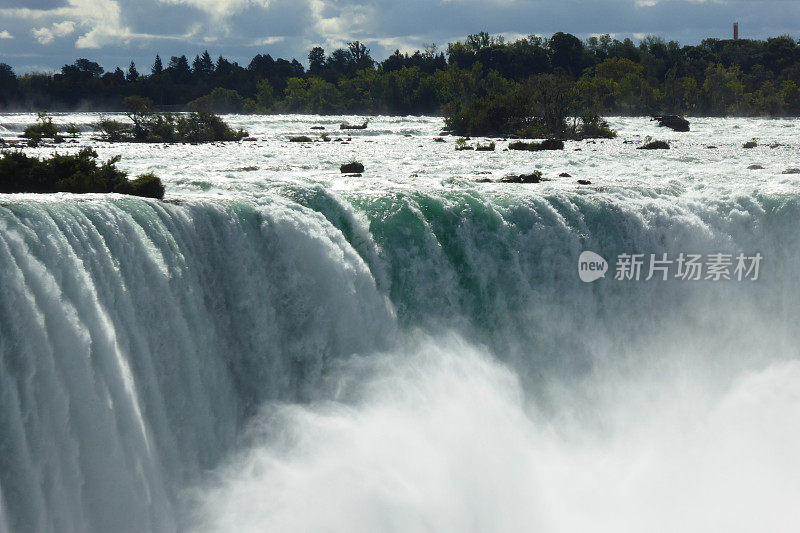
[316, 61]
[133, 74]
[722, 89]
[158, 67]
[265, 97]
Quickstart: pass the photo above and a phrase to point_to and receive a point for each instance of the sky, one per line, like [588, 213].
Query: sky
[43, 35]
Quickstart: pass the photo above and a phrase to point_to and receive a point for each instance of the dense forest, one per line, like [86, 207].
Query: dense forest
[481, 75]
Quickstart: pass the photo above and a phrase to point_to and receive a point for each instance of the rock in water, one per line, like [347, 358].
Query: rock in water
[353, 167]
[673, 122]
[533, 177]
[655, 145]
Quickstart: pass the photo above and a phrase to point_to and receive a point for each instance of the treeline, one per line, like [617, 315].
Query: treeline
[601, 76]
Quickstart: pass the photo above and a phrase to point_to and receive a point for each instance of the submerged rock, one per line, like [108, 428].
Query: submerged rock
[300, 139]
[755, 167]
[791, 171]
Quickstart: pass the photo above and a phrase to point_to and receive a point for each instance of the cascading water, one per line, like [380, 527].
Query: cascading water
[304, 359]
[139, 336]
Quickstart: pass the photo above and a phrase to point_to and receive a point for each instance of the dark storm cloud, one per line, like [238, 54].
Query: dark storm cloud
[113, 31]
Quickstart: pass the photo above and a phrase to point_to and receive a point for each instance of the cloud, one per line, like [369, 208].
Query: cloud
[5, 35]
[59, 29]
[220, 9]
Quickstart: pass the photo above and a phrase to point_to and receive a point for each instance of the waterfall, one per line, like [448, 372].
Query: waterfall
[399, 361]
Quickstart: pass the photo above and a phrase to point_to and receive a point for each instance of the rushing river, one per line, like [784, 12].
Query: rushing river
[279, 347]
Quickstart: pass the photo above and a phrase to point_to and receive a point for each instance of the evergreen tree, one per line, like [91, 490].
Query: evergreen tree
[157, 66]
[133, 74]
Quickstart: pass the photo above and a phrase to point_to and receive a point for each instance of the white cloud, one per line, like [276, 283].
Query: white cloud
[220, 9]
[99, 20]
[267, 41]
[47, 35]
[5, 35]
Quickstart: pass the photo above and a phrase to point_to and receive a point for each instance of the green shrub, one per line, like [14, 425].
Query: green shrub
[195, 127]
[78, 173]
[655, 145]
[146, 185]
[113, 130]
[461, 144]
[44, 128]
[593, 127]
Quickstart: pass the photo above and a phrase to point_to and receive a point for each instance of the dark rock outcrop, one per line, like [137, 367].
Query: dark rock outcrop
[533, 177]
[547, 144]
[354, 167]
[674, 122]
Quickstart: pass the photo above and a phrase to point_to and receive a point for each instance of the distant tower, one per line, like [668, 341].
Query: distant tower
[735, 31]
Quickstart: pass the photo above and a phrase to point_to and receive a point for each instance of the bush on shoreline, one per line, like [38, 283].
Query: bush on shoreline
[78, 173]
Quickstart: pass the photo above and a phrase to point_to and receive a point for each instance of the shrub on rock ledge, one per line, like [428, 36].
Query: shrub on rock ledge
[148, 126]
[79, 173]
[655, 145]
